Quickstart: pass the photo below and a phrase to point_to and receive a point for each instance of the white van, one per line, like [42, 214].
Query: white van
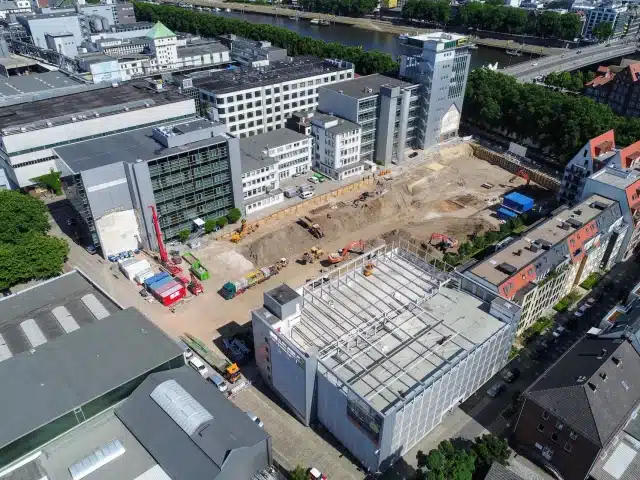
[306, 195]
[199, 366]
[219, 382]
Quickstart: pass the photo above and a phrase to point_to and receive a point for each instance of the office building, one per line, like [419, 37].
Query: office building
[623, 20]
[385, 108]
[623, 186]
[379, 360]
[268, 158]
[621, 90]
[595, 155]
[190, 171]
[53, 23]
[252, 101]
[68, 352]
[254, 53]
[439, 63]
[579, 419]
[337, 146]
[31, 130]
[540, 268]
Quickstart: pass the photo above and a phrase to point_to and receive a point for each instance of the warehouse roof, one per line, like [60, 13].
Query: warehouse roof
[246, 78]
[128, 147]
[253, 149]
[193, 446]
[68, 370]
[369, 86]
[36, 82]
[104, 100]
[389, 335]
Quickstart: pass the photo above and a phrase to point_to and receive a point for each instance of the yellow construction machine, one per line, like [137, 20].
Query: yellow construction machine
[367, 271]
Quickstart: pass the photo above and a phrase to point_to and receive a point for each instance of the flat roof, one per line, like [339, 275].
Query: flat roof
[369, 86]
[342, 126]
[252, 149]
[90, 436]
[128, 147]
[437, 36]
[245, 78]
[16, 61]
[388, 334]
[60, 109]
[518, 256]
[616, 177]
[42, 383]
[35, 82]
[201, 49]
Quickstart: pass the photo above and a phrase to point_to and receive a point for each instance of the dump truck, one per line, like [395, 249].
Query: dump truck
[313, 228]
[196, 267]
[233, 289]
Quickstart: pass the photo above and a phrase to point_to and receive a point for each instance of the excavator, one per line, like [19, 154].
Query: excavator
[344, 253]
[442, 239]
[522, 174]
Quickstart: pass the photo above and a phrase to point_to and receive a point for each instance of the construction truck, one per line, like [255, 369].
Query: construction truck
[313, 228]
[344, 252]
[232, 373]
[233, 289]
[315, 253]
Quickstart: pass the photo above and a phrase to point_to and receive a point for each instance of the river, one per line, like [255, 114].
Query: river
[368, 39]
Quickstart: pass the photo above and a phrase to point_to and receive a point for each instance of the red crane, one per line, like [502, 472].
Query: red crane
[164, 257]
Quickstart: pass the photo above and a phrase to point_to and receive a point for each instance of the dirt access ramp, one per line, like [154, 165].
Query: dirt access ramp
[444, 195]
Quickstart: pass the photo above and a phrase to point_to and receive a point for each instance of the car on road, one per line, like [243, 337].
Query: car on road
[558, 332]
[578, 52]
[496, 389]
[591, 301]
[254, 418]
[581, 311]
[534, 64]
[511, 375]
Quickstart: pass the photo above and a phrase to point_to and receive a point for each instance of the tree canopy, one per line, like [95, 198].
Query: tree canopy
[488, 449]
[340, 7]
[602, 31]
[530, 114]
[26, 252]
[183, 20]
[574, 81]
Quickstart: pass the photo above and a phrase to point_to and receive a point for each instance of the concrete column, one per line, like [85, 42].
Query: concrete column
[402, 129]
[236, 172]
[384, 141]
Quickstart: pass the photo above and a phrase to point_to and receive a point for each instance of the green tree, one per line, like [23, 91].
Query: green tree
[298, 473]
[222, 222]
[21, 214]
[445, 463]
[184, 234]
[602, 31]
[51, 181]
[234, 215]
[488, 449]
[209, 225]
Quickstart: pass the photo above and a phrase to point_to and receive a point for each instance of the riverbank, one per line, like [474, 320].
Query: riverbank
[363, 23]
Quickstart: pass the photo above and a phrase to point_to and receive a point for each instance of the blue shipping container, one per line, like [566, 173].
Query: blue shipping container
[506, 214]
[155, 278]
[518, 202]
[160, 283]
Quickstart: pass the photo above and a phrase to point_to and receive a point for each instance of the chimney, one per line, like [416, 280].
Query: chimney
[603, 376]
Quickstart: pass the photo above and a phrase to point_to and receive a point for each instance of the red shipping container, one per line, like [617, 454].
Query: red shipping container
[171, 296]
[165, 287]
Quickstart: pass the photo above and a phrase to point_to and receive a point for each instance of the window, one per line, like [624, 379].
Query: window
[540, 427]
[573, 435]
[554, 437]
[545, 415]
[567, 447]
[559, 425]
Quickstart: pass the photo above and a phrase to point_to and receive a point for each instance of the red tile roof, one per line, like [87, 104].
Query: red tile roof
[602, 143]
[629, 154]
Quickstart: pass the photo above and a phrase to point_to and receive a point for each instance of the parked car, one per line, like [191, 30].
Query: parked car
[581, 311]
[188, 353]
[591, 301]
[511, 375]
[91, 249]
[254, 418]
[496, 389]
[199, 366]
[306, 195]
[219, 382]
[315, 474]
[313, 180]
[558, 332]
[290, 192]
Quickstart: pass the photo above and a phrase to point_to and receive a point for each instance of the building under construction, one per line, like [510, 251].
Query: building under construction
[382, 348]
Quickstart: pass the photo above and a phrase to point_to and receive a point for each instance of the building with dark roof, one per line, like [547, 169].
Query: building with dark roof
[580, 404]
[68, 351]
[621, 90]
[192, 430]
[540, 268]
[500, 472]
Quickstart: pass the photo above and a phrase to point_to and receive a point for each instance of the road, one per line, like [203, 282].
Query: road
[572, 60]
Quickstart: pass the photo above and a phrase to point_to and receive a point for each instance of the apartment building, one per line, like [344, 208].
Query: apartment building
[379, 361]
[190, 171]
[622, 185]
[31, 130]
[268, 158]
[621, 90]
[580, 418]
[337, 146]
[252, 101]
[595, 155]
[439, 63]
[254, 53]
[543, 266]
[386, 109]
[599, 88]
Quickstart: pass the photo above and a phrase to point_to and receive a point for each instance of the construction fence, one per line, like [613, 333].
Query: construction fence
[514, 165]
[304, 206]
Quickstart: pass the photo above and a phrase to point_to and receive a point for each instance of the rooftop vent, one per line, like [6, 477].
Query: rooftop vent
[564, 225]
[574, 223]
[507, 268]
[603, 376]
[599, 205]
[616, 360]
[592, 386]
[518, 252]
[533, 247]
[578, 212]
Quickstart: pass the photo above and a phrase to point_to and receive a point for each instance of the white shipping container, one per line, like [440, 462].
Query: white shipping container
[142, 276]
[132, 269]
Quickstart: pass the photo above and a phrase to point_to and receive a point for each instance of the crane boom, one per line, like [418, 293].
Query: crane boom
[156, 225]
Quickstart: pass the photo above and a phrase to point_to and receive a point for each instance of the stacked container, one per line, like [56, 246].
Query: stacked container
[154, 278]
[169, 292]
[132, 266]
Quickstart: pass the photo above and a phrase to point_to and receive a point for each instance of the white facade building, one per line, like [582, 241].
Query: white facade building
[269, 158]
[337, 146]
[252, 101]
[10, 7]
